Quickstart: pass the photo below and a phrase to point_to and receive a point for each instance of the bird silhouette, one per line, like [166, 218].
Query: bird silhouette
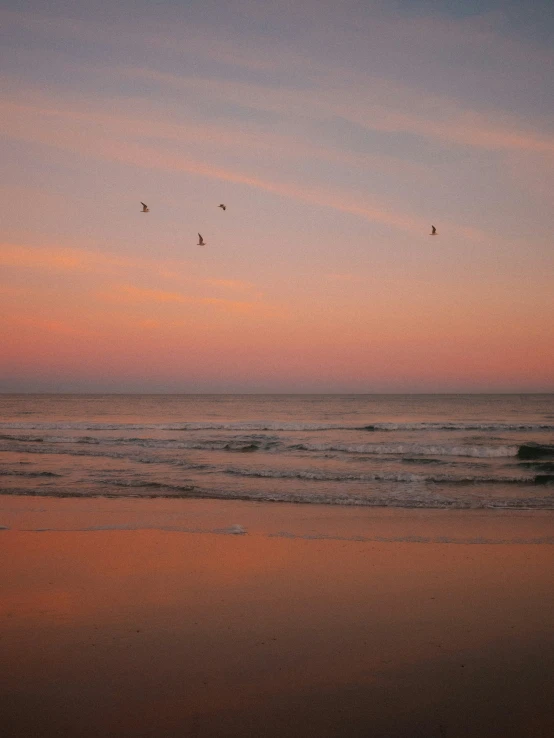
[145, 208]
[433, 231]
[201, 241]
[222, 206]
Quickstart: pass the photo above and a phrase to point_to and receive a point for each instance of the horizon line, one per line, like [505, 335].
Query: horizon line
[284, 394]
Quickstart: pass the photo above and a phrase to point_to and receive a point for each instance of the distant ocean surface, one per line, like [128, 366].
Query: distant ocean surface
[425, 451]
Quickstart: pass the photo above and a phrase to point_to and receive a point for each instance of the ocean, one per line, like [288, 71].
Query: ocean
[424, 451]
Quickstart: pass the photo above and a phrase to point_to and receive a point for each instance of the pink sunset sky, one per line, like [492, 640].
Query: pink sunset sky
[336, 134]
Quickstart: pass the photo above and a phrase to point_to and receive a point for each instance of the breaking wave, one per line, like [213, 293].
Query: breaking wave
[268, 444]
[321, 476]
[386, 449]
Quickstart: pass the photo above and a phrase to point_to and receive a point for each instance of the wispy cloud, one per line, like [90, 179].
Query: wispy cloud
[132, 294]
[55, 326]
[60, 258]
[105, 267]
[408, 111]
[22, 125]
[229, 137]
[53, 257]
[376, 101]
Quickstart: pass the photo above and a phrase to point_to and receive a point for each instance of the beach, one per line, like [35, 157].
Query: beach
[277, 369]
[161, 617]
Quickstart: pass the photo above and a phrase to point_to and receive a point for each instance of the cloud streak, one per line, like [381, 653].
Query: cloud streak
[27, 123]
[449, 121]
[62, 259]
[132, 294]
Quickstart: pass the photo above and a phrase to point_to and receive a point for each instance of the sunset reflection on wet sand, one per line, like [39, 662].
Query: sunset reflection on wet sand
[154, 632]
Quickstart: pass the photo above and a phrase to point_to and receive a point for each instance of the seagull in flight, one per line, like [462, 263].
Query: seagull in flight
[222, 206]
[433, 231]
[201, 241]
[145, 208]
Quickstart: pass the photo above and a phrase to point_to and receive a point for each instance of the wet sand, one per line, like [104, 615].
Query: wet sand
[209, 618]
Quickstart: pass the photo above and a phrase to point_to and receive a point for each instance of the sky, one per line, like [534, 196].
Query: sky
[336, 133]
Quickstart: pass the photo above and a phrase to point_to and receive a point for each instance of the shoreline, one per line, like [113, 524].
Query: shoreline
[270, 519]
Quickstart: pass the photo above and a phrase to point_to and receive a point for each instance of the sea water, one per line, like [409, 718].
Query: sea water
[426, 451]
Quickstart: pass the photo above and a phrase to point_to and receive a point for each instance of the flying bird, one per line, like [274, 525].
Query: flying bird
[201, 241]
[145, 208]
[433, 231]
[222, 206]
